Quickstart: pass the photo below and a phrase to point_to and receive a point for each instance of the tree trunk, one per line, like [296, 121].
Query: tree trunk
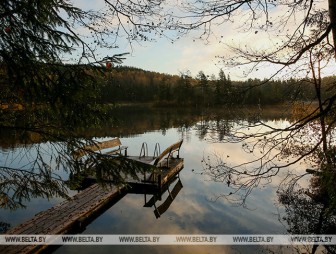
[332, 15]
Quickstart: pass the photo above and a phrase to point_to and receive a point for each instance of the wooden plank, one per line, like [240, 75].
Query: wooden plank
[43, 222]
[65, 206]
[143, 159]
[176, 165]
[168, 151]
[100, 146]
[64, 217]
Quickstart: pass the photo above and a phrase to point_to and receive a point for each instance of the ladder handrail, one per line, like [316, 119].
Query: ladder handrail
[144, 150]
[157, 150]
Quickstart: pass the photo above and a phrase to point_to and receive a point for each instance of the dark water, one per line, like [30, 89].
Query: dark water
[197, 209]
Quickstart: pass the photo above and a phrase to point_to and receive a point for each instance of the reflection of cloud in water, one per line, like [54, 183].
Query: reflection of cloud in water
[187, 215]
[232, 155]
[150, 249]
[193, 211]
[34, 206]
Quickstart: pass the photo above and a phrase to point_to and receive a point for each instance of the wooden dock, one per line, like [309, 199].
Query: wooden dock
[73, 215]
[69, 216]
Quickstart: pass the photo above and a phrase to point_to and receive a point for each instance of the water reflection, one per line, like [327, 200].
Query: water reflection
[25, 174]
[131, 174]
[308, 211]
[153, 197]
[195, 208]
[163, 207]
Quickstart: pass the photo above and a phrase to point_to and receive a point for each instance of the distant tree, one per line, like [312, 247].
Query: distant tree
[202, 81]
[224, 88]
[185, 90]
[222, 76]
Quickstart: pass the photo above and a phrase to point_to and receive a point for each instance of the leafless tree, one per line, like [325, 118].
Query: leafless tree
[304, 38]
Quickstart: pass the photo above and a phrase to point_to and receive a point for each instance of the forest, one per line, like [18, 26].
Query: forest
[122, 85]
[133, 85]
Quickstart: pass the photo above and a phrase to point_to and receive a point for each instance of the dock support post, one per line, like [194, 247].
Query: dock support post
[160, 182]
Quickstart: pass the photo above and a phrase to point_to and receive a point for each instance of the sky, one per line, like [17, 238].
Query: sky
[173, 58]
[194, 55]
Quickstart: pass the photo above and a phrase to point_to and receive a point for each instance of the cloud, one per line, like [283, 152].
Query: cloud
[191, 53]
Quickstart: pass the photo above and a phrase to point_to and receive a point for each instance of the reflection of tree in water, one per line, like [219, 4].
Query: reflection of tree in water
[27, 172]
[42, 171]
[311, 210]
[105, 170]
[215, 126]
[307, 138]
[308, 213]
[4, 227]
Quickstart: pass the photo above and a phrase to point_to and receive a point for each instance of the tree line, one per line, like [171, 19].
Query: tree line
[101, 86]
[132, 85]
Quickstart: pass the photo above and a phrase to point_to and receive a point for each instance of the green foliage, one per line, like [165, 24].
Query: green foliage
[18, 186]
[33, 37]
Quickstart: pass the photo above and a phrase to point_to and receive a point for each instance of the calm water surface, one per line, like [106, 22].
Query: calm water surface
[197, 209]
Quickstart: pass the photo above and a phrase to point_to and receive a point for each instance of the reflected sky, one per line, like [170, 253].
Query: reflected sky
[196, 209]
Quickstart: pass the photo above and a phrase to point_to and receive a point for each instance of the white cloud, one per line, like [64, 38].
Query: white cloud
[188, 53]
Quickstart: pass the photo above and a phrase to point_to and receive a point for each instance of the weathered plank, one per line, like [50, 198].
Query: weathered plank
[112, 143]
[175, 166]
[65, 217]
[143, 159]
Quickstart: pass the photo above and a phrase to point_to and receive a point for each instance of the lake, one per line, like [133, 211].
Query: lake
[199, 207]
